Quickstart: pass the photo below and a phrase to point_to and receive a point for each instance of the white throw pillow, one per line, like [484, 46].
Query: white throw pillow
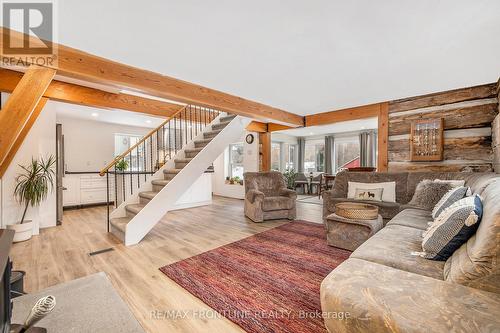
[369, 194]
[388, 194]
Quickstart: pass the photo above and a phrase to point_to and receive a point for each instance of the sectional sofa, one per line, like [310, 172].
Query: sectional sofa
[383, 287]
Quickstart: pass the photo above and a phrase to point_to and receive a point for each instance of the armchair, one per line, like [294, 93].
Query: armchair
[267, 198]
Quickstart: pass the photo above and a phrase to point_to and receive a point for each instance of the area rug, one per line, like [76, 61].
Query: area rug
[268, 282]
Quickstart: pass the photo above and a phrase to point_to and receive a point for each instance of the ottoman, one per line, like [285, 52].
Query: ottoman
[350, 233]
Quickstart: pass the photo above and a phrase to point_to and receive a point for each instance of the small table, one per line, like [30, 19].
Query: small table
[349, 234]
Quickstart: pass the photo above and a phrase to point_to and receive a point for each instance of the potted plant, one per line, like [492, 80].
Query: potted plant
[121, 166]
[33, 186]
[290, 176]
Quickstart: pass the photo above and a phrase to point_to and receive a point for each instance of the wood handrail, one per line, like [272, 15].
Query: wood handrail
[122, 156]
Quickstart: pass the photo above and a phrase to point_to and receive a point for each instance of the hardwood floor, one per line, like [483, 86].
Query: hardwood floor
[60, 254]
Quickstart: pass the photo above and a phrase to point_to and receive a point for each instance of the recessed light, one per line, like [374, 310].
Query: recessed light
[311, 133]
[363, 127]
[95, 114]
[148, 121]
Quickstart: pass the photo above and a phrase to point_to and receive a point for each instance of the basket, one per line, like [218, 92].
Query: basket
[356, 211]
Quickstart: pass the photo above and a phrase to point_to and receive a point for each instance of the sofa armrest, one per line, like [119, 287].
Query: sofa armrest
[329, 203]
[254, 195]
[361, 296]
[284, 192]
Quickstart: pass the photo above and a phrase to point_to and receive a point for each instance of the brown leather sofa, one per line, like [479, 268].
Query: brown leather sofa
[382, 287]
[267, 198]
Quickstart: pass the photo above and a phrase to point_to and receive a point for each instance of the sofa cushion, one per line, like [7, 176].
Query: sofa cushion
[449, 199]
[381, 299]
[387, 209]
[393, 246]
[412, 217]
[277, 203]
[477, 262]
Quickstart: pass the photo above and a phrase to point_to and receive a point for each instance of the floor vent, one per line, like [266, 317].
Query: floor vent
[101, 251]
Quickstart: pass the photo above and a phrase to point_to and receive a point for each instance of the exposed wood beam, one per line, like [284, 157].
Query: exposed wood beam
[265, 142]
[24, 132]
[21, 104]
[272, 127]
[360, 112]
[83, 66]
[76, 94]
[257, 126]
[383, 137]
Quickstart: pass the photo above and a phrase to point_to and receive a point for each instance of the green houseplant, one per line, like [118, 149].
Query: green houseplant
[33, 185]
[290, 176]
[121, 166]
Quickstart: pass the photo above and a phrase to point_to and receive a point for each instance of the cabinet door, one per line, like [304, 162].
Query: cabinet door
[71, 195]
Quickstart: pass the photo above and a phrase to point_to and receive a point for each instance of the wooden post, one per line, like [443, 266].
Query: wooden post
[383, 137]
[265, 143]
[20, 105]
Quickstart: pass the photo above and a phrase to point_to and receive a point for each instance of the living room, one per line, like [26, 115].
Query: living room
[257, 167]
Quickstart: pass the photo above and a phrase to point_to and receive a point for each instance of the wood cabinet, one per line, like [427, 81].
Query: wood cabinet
[85, 189]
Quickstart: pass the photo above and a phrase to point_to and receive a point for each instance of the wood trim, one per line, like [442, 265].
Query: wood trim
[265, 145]
[360, 112]
[257, 126]
[77, 64]
[80, 95]
[383, 137]
[24, 132]
[21, 104]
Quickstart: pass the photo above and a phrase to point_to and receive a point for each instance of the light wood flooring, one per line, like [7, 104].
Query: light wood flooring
[60, 254]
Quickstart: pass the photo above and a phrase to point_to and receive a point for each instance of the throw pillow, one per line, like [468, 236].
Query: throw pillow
[452, 228]
[453, 183]
[388, 194]
[368, 194]
[449, 199]
[428, 193]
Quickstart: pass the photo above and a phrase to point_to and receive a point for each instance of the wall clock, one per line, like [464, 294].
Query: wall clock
[249, 139]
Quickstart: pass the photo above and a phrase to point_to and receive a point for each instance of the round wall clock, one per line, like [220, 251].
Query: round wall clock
[249, 139]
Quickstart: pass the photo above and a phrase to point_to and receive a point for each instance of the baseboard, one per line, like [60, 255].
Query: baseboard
[192, 204]
[96, 204]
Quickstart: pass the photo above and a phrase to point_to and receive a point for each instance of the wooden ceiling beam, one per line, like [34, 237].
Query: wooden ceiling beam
[355, 113]
[76, 94]
[77, 64]
[257, 126]
[20, 105]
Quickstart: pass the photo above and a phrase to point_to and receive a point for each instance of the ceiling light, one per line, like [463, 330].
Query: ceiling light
[95, 114]
[311, 133]
[363, 127]
[148, 121]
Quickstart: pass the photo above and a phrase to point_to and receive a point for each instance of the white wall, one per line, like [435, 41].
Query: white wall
[40, 142]
[89, 145]
[250, 163]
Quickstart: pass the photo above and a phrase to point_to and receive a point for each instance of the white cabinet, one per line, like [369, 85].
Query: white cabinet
[84, 189]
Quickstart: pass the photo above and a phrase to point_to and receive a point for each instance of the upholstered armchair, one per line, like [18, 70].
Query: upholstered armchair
[267, 198]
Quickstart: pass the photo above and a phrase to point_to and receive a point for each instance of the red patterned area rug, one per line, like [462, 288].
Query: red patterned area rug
[268, 282]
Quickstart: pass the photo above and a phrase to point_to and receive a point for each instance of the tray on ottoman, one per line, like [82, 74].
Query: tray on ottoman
[356, 210]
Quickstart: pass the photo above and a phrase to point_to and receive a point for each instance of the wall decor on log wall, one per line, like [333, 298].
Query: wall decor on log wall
[426, 140]
[468, 114]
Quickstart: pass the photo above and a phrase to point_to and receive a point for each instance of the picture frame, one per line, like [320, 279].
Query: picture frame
[427, 140]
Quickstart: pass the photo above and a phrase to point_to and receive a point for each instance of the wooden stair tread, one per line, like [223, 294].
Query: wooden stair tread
[193, 150]
[134, 208]
[172, 171]
[120, 223]
[183, 160]
[148, 194]
[160, 182]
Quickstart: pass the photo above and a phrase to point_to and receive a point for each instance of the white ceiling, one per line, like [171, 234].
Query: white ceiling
[302, 56]
[108, 116]
[343, 127]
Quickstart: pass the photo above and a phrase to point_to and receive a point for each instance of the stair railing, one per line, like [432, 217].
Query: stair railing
[129, 170]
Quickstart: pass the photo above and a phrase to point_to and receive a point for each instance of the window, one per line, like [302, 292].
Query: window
[290, 158]
[314, 156]
[236, 160]
[346, 153]
[275, 156]
[122, 143]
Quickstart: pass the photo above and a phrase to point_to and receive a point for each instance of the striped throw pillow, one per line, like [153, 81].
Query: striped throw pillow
[449, 199]
[453, 227]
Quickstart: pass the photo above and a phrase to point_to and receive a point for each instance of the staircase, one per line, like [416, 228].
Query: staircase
[162, 167]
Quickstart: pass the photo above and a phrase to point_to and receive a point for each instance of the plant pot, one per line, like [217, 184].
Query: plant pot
[23, 231]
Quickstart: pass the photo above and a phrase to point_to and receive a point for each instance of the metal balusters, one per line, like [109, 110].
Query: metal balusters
[107, 199]
[169, 141]
[116, 189]
[144, 158]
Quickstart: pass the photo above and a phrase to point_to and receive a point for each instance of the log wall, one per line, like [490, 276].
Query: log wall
[495, 128]
[468, 115]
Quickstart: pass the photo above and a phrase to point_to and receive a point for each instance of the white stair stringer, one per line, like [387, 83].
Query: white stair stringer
[140, 225]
